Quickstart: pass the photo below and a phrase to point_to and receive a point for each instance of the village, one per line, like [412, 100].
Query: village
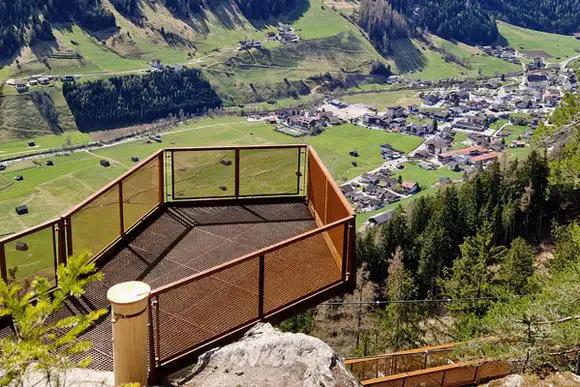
[464, 128]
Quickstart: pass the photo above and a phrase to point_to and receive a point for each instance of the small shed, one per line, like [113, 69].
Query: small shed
[49, 163]
[105, 163]
[18, 177]
[22, 210]
[21, 246]
[135, 159]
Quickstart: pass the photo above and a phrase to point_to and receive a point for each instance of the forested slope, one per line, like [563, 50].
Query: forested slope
[472, 22]
[25, 22]
[133, 99]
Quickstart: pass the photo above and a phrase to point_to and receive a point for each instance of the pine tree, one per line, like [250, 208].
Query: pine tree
[516, 267]
[400, 328]
[38, 342]
[471, 278]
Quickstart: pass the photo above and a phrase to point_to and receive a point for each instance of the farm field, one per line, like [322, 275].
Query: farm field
[559, 47]
[45, 142]
[385, 99]
[49, 191]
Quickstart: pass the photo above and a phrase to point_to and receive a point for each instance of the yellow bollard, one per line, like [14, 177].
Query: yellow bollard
[129, 306]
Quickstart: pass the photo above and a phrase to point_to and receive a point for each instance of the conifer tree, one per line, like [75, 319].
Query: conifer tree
[400, 327]
[40, 341]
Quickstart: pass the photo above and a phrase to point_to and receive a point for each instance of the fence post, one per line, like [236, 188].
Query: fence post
[261, 288]
[121, 216]
[237, 174]
[129, 316]
[3, 270]
[161, 167]
[61, 237]
[69, 239]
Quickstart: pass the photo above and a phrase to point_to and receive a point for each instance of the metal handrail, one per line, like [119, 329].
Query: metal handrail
[64, 221]
[247, 257]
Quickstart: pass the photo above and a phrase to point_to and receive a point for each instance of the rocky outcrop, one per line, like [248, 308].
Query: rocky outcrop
[268, 357]
[555, 379]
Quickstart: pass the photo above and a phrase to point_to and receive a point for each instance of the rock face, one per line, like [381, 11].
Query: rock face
[268, 357]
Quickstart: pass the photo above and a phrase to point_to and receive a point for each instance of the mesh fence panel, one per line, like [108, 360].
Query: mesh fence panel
[409, 362]
[460, 376]
[32, 255]
[438, 358]
[317, 185]
[203, 174]
[207, 307]
[269, 171]
[140, 192]
[97, 224]
[299, 269]
[492, 370]
[427, 379]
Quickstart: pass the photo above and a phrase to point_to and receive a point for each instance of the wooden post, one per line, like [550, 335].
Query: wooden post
[129, 306]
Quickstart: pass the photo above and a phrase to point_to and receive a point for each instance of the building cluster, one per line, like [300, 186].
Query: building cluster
[23, 85]
[375, 190]
[249, 44]
[284, 34]
[507, 54]
[301, 122]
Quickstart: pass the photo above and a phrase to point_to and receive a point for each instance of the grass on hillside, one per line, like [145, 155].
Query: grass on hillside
[478, 61]
[21, 118]
[384, 99]
[523, 39]
[414, 59]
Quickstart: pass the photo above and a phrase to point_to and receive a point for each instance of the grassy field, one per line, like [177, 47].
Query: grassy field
[425, 178]
[458, 140]
[48, 191]
[385, 99]
[49, 141]
[522, 39]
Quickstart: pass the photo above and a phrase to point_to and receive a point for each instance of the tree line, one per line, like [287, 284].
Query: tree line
[472, 22]
[133, 99]
[252, 9]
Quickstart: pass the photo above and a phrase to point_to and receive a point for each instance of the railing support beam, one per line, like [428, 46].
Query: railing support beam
[3, 270]
[129, 316]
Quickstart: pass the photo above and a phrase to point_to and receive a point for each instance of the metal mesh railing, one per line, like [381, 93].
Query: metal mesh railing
[210, 305]
[33, 252]
[91, 226]
[270, 171]
[461, 374]
[398, 362]
[236, 172]
[233, 292]
[200, 174]
[141, 192]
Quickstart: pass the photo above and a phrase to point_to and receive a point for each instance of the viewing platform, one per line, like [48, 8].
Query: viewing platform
[225, 236]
